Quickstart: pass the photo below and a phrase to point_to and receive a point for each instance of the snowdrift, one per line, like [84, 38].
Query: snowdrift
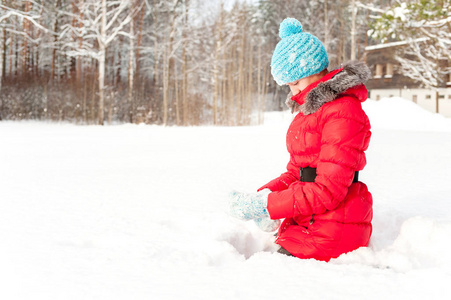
[140, 212]
[401, 114]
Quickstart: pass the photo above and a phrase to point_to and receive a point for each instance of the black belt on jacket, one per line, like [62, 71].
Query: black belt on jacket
[309, 174]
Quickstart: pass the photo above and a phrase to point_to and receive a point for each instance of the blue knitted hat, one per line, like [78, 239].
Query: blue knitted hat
[298, 55]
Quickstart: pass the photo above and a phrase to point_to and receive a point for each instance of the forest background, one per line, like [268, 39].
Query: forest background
[174, 62]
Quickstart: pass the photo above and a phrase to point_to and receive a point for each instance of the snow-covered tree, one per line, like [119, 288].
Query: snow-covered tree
[174, 62]
[425, 27]
[103, 21]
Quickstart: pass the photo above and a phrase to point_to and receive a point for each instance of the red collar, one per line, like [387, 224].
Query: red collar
[300, 98]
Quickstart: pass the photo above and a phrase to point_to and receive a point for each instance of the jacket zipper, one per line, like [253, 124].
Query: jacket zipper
[312, 220]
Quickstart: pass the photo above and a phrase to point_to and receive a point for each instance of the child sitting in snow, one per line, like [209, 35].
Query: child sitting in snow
[327, 211]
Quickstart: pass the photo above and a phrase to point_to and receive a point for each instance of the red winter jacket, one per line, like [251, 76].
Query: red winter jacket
[332, 215]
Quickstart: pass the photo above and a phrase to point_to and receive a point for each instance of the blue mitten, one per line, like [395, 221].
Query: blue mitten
[266, 224]
[249, 206]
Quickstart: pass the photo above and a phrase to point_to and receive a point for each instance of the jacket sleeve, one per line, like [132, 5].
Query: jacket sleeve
[345, 135]
[283, 181]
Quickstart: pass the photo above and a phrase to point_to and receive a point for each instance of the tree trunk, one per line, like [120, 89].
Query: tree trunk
[165, 85]
[11, 43]
[131, 72]
[80, 45]
[139, 40]
[259, 82]
[366, 39]
[117, 76]
[3, 70]
[16, 57]
[240, 73]
[326, 26]
[249, 93]
[353, 30]
[232, 93]
[169, 66]
[94, 95]
[2, 65]
[177, 106]
[55, 40]
[26, 27]
[185, 102]
[102, 53]
[223, 93]
[218, 45]
[155, 78]
[85, 94]
[343, 42]
[266, 75]
[185, 86]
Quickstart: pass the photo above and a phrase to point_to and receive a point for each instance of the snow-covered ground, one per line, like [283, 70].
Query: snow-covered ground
[140, 212]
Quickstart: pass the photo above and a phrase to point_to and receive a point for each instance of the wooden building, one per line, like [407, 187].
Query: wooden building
[387, 82]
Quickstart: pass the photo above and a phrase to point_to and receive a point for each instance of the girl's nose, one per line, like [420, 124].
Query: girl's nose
[294, 89]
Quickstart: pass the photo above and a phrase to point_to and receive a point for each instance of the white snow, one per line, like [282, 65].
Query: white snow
[394, 44]
[401, 11]
[140, 212]
[401, 114]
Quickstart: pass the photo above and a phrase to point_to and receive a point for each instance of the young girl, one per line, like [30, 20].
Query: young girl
[327, 211]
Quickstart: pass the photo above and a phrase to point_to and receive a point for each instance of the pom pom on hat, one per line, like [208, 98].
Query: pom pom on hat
[298, 55]
[289, 27]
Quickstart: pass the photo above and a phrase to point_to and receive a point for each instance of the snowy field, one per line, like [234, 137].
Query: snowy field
[140, 212]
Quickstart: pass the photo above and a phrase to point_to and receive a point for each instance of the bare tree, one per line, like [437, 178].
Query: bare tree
[424, 28]
[103, 24]
[172, 62]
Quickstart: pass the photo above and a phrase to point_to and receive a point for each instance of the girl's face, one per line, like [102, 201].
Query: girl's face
[297, 86]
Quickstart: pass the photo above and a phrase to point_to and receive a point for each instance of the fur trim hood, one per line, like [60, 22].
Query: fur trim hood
[328, 88]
